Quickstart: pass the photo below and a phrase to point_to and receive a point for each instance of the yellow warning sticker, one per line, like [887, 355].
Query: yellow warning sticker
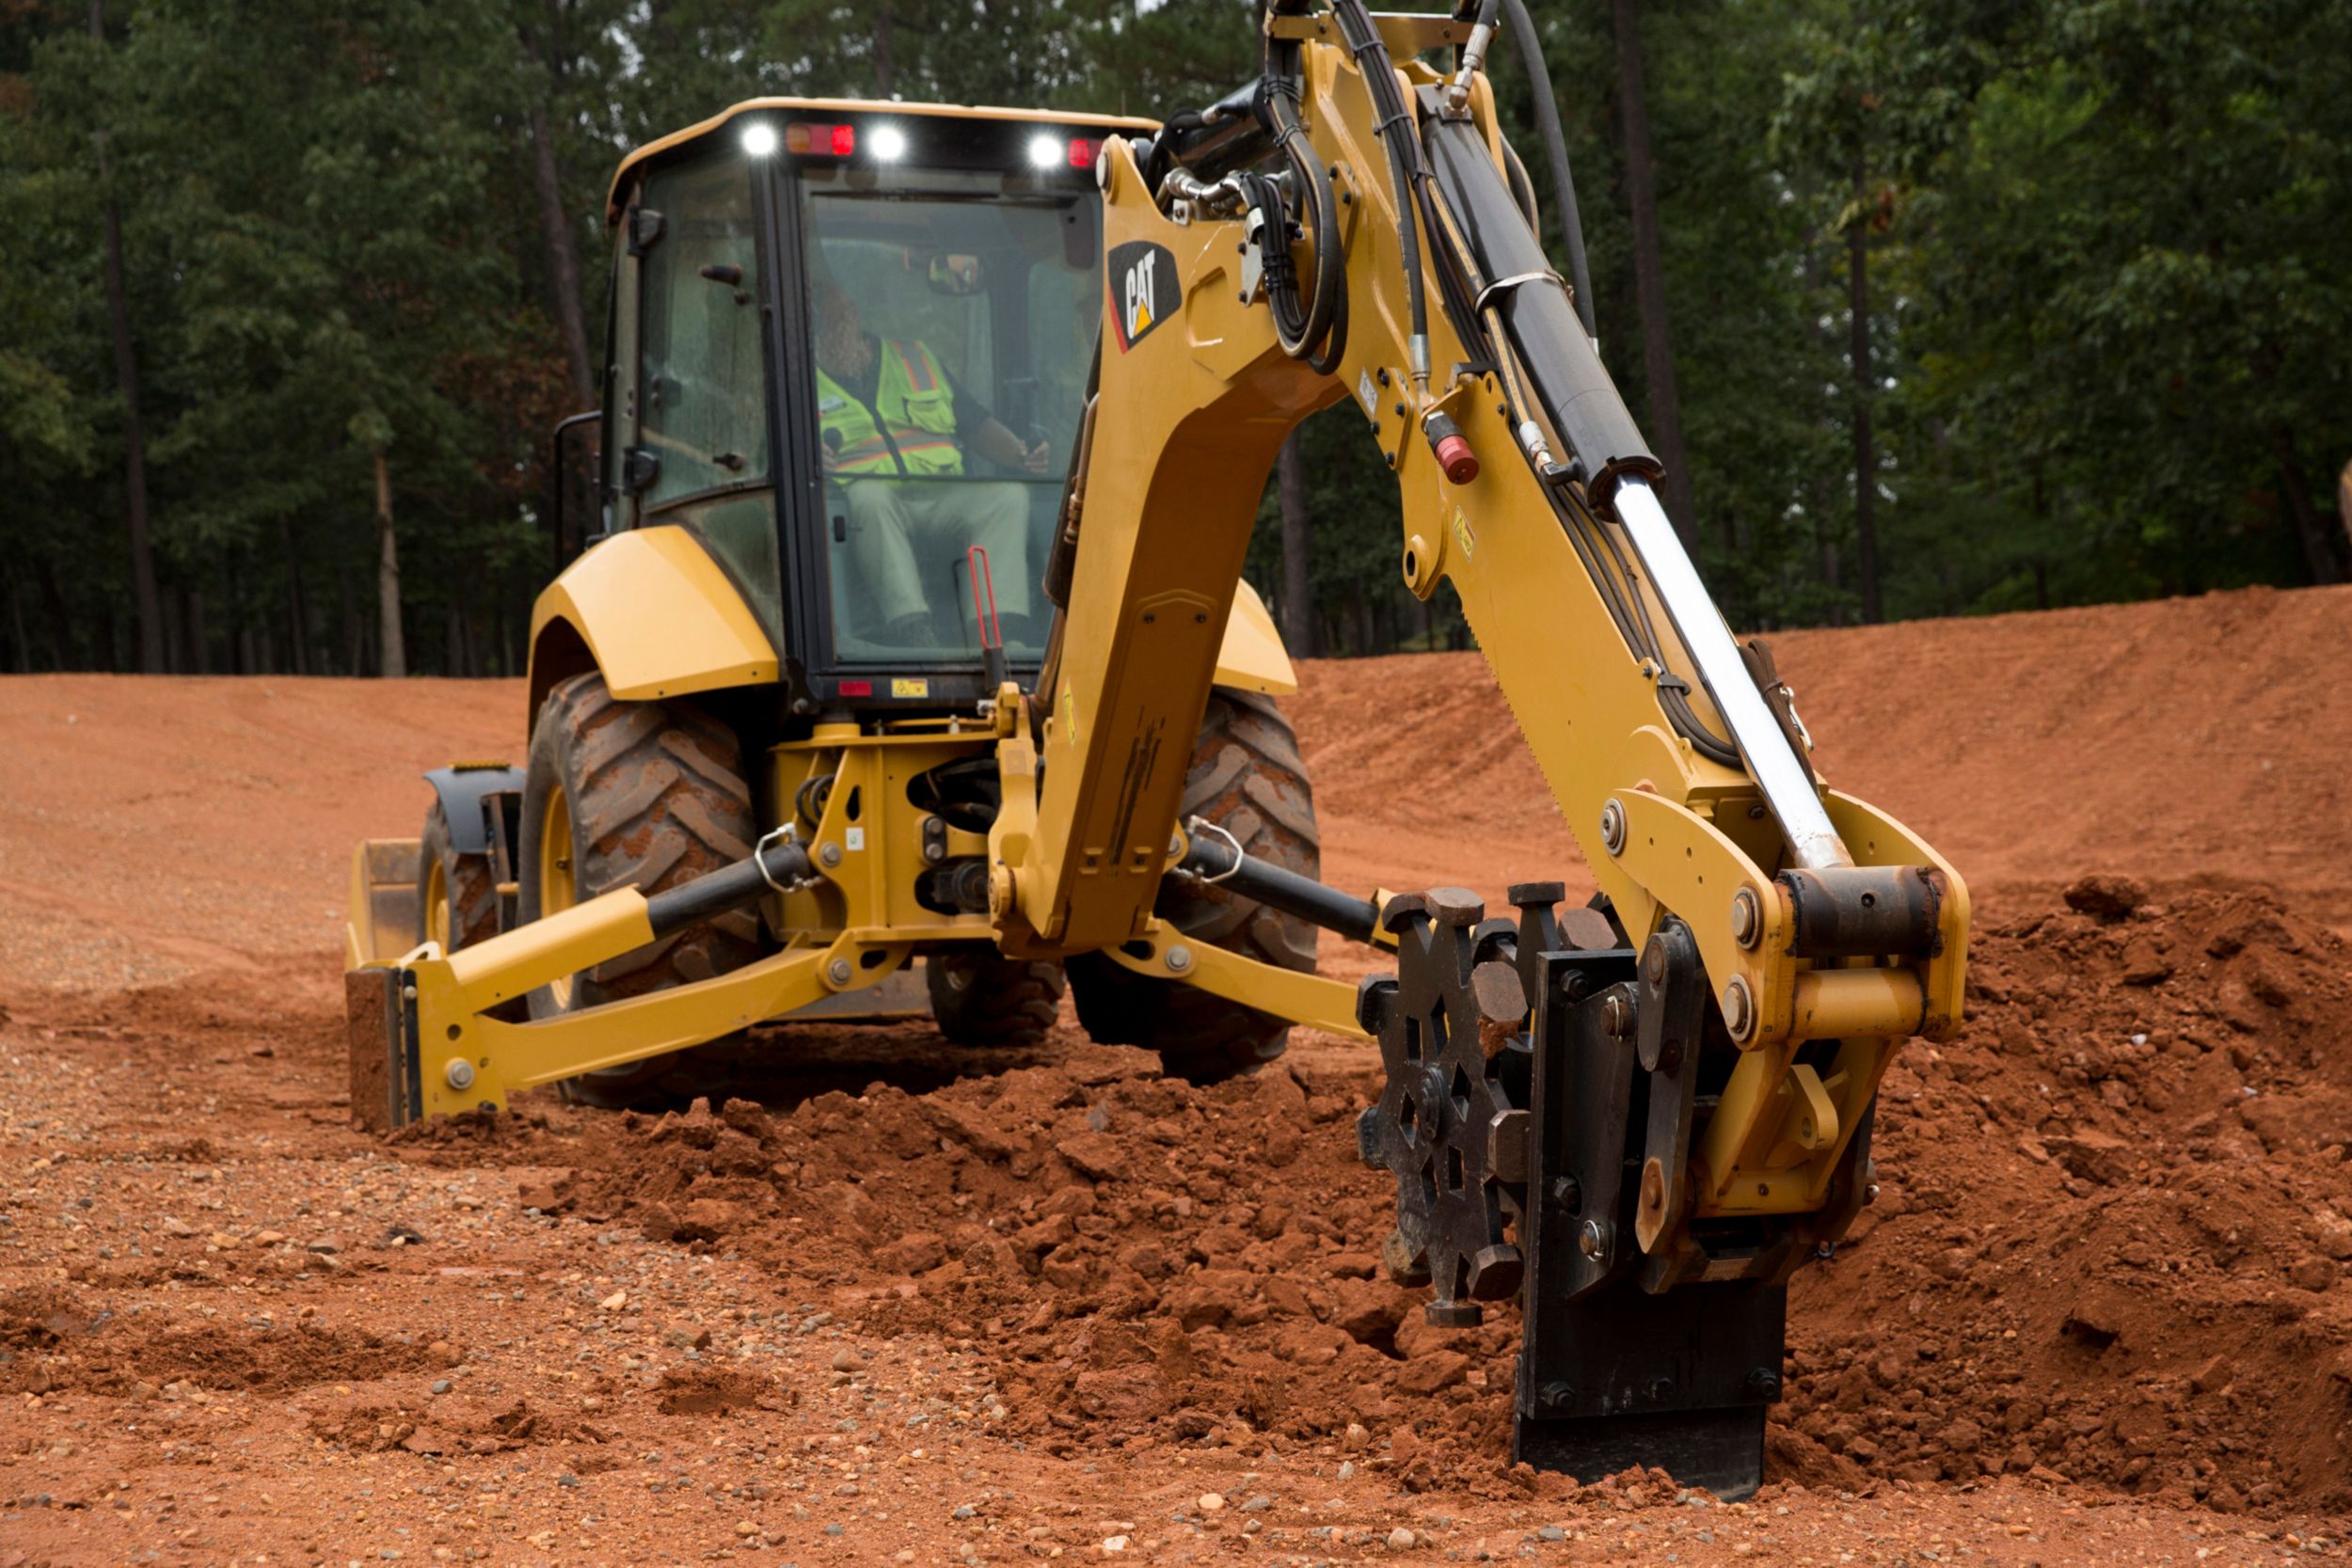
[1463, 536]
[1070, 713]
[909, 686]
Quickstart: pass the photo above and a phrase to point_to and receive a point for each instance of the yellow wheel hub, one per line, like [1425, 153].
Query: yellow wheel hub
[558, 884]
[436, 907]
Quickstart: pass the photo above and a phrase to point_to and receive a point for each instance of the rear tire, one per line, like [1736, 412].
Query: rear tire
[1247, 778]
[457, 900]
[981, 998]
[649, 794]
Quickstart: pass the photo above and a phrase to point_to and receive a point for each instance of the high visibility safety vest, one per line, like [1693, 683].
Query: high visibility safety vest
[917, 408]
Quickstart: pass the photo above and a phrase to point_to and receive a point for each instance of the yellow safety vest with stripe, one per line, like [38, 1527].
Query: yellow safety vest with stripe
[918, 433]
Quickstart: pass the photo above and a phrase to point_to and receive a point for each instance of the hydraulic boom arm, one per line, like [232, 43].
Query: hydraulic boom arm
[1789, 936]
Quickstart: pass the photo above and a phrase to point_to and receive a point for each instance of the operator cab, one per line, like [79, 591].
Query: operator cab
[848, 352]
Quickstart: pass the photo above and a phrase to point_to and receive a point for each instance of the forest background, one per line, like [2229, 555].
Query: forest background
[1933, 307]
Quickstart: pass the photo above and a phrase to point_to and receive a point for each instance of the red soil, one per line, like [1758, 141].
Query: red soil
[945, 1303]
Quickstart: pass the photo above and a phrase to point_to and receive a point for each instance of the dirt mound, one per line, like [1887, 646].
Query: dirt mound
[2111, 1239]
[2025, 748]
[2110, 1242]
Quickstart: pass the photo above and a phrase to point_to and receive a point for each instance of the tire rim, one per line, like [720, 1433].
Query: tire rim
[436, 907]
[558, 890]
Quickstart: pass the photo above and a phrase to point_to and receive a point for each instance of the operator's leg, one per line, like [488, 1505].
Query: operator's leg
[996, 518]
[879, 517]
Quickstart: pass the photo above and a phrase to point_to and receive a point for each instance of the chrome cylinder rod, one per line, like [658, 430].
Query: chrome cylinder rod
[1786, 783]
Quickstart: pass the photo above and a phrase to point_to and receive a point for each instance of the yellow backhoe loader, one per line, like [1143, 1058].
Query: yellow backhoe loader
[910, 628]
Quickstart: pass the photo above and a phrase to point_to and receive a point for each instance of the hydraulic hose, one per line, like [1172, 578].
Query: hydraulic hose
[1394, 128]
[1530, 48]
[1300, 329]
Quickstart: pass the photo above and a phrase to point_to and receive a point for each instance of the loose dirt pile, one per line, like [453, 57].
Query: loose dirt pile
[2111, 1239]
[2110, 1242]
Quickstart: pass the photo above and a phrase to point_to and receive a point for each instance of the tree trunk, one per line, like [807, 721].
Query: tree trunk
[1649, 278]
[1866, 472]
[199, 657]
[560, 246]
[393, 658]
[2344, 501]
[298, 610]
[1298, 592]
[349, 621]
[134, 431]
[2319, 548]
[53, 611]
[885, 54]
[24, 663]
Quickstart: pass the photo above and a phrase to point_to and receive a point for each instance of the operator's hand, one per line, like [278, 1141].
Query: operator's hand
[1034, 458]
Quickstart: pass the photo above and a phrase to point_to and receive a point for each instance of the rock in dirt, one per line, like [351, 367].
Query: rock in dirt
[2107, 895]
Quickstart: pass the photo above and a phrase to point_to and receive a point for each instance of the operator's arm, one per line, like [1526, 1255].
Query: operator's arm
[987, 437]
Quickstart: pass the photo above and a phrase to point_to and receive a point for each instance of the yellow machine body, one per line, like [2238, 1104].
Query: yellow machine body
[1183, 428]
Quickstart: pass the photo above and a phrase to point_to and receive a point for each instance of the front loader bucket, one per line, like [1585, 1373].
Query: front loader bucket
[387, 1073]
[380, 917]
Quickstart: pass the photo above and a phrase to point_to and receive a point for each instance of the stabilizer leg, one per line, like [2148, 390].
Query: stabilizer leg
[387, 1071]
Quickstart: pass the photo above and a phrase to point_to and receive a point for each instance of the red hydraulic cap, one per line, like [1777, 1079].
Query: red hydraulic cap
[1455, 457]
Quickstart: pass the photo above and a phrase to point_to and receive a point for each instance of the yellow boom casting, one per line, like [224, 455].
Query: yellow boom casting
[1000, 706]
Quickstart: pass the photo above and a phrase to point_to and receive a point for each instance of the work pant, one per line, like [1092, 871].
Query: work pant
[888, 517]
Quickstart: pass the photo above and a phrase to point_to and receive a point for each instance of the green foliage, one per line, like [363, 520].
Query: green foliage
[2110, 309]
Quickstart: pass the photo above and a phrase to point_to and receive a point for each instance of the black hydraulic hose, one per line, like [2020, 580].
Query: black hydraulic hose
[1301, 330]
[1394, 127]
[1531, 50]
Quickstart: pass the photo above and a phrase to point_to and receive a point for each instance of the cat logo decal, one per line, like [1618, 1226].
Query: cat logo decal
[1142, 286]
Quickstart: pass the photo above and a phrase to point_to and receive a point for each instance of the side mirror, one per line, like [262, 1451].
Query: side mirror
[573, 485]
[954, 276]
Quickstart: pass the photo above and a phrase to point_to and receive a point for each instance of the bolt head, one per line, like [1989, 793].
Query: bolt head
[1612, 827]
[459, 1073]
[1739, 1010]
[1592, 1240]
[1747, 917]
[1617, 1014]
[1177, 959]
[838, 971]
[1001, 889]
[829, 854]
[934, 852]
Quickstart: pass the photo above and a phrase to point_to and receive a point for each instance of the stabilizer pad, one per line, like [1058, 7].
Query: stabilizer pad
[387, 1073]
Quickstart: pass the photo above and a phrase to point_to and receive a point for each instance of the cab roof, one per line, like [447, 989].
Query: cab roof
[854, 105]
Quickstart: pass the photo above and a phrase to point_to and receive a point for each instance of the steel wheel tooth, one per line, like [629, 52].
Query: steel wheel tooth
[1502, 994]
[1402, 912]
[1453, 1314]
[1403, 1262]
[1495, 1273]
[1522, 895]
[1588, 931]
[1458, 907]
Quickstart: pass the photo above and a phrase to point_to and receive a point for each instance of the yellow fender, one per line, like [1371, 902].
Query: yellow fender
[653, 612]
